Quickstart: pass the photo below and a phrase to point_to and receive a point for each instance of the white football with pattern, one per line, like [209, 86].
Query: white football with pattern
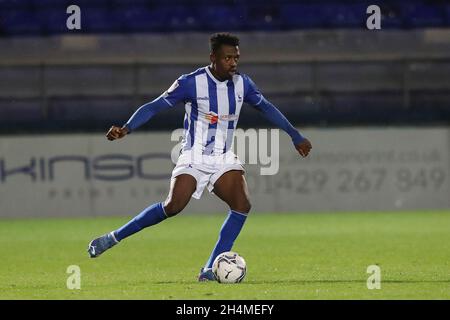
[229, 267]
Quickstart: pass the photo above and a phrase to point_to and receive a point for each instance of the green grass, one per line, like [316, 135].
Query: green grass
[289, 256]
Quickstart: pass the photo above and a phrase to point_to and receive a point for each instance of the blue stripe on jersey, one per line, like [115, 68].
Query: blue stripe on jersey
[213, 107]
[232, 110]
[194, 115]
[191, 95]
[186, 122]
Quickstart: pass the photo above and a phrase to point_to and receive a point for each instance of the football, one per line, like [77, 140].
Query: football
[229, 267]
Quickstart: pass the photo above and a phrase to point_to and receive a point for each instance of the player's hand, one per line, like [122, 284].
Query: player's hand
[304, 147]
[116, 133]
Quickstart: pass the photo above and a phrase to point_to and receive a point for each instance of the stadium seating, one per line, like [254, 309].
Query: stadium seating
[35, 17]
[78, 96]
[17, 114]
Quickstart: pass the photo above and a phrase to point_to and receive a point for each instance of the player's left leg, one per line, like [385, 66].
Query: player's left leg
[181, 189]
[231, 187]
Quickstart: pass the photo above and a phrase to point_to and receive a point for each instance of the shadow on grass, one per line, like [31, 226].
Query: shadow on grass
[299, 282]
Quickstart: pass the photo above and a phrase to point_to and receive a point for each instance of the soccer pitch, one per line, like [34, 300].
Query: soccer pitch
[289, 256]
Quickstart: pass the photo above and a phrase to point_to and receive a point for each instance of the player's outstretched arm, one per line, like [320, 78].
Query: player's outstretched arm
[256, 99]
[141, 116]
[176, 93]
[304, 147]
[117, 132]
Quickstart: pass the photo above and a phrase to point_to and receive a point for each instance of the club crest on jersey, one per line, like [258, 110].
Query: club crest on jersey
[212, 117]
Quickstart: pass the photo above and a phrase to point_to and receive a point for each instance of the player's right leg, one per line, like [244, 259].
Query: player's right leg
[181, 189]
[232, 188]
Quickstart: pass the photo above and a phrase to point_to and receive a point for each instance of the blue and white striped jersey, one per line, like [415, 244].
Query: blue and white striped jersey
[212, 108]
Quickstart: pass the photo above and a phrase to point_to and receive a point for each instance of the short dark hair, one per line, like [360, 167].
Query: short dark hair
[218, 39]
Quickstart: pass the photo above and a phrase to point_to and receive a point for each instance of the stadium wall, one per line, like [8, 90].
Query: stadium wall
[355, 169]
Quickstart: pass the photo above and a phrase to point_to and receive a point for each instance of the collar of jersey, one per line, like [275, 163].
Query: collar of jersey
[214, 78]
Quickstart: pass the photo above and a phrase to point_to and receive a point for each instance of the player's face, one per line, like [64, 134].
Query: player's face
[225, 61]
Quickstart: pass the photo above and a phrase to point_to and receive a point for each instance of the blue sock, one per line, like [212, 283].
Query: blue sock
[229, 232]
[150, 216]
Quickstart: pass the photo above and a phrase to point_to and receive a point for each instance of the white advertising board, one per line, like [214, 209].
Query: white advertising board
[356, 169]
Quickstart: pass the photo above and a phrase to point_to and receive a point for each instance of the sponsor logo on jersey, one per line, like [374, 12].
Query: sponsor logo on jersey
[228, 117]
[212, 117]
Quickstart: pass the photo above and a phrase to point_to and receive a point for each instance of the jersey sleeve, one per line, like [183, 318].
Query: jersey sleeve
[271, 113]
[252, 95]
[145, 113]
[177, 92]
